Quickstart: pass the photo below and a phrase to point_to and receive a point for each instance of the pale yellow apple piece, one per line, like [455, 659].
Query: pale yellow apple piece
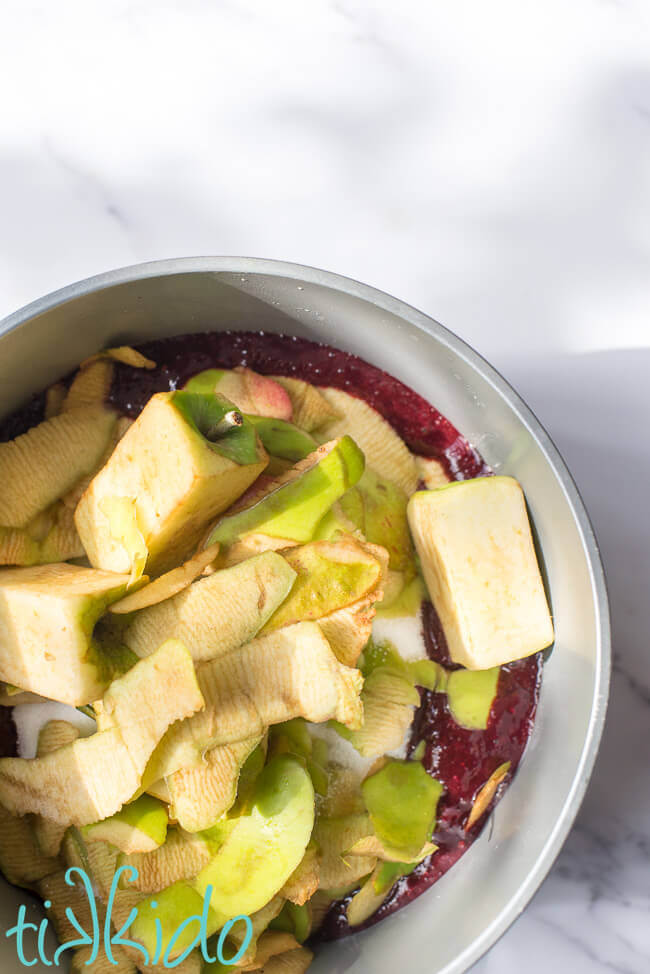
[486, 794]
[335, 836]
[271, 945]
[140, 826]
[202, 794]
[331, 575]
[218, 613]
[431, 472]
[372, 846]
[90, 386]
[253, 544]
[303, 883]
[21, 859]
[47, 615]
[348, 630]
[311, 410]
[293, 962]
[50, 537]
[40, 466]
[167, 585]
[124, 354]
[52, 736]
[260, 921]
[289, 673]
[367, 901]
[92, 777]
[480, 567]
[385, 451]
[178, 481]
[182, 856]
[389, 702]
[54, 397]
[72, 498]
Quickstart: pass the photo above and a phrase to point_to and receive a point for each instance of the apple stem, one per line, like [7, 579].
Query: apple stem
[230, 420]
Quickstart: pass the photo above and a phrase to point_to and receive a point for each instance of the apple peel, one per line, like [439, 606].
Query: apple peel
[167, 585]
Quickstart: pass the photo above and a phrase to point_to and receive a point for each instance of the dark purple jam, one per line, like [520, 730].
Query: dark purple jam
[422, 427]
[461, 759]
[23, 419]
[8, 738]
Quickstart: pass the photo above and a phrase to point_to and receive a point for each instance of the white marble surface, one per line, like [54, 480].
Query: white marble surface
[487, 162]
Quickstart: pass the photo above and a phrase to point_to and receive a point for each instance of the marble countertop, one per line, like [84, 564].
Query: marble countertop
[488, 163]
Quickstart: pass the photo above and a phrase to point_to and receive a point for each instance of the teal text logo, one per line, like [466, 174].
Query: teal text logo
[31, 938]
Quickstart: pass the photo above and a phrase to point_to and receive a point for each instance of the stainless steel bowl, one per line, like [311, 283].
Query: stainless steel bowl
[451, 925]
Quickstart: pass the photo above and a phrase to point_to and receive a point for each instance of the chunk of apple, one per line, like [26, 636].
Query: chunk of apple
[311, 410]
[293, 507]
[140, 826]
[251, 392]
[241, 598]
[200, 795]
[91, 778]
[185, 459]
[250, 865]
[478, 559]
[47, 616]
[40, 466]
[274, 834]
[330, 576]
[385, 451]
[402, 801]
[283, 440]
[292, 672]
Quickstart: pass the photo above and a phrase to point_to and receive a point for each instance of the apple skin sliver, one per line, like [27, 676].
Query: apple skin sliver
[53, 735]
[167, 585]
[311, 410]
[124, 354]
[182, 856]
[292, 672]
[43, 464]
[384, 450]
[202, 794]
[91, 778]
[242, 598]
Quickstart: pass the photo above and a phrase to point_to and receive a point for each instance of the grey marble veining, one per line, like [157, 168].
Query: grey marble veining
[489, 163]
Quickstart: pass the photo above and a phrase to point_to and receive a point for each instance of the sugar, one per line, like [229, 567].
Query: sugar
[404, 632]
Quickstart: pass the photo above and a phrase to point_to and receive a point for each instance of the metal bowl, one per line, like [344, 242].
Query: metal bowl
[454, 923]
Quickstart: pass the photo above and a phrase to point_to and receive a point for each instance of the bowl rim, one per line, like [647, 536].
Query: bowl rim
[380, 299]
